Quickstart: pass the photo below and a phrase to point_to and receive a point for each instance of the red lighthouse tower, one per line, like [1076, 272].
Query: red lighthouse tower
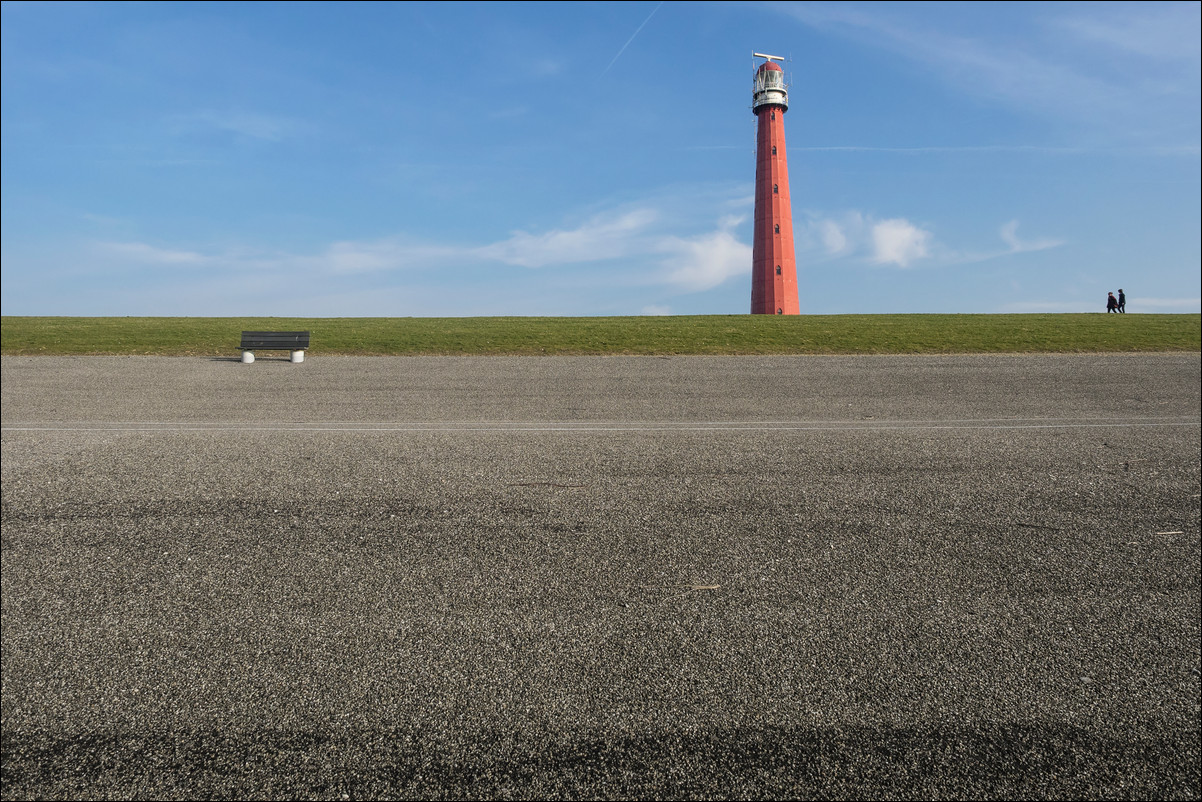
[773, 267]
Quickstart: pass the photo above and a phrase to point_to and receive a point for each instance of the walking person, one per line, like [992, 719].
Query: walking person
[1112, 303]
[1122, 302]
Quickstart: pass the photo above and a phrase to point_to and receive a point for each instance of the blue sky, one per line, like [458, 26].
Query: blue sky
[595, 158]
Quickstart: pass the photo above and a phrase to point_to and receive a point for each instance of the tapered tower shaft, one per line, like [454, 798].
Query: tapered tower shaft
[773, 265]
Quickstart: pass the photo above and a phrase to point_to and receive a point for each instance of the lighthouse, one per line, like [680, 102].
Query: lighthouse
[773, 267]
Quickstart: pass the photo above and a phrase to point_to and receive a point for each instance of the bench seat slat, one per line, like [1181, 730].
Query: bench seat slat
[275, 340]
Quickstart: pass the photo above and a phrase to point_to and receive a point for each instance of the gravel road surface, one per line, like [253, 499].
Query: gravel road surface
[838, 577]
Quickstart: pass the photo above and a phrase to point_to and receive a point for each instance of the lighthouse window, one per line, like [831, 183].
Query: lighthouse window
[775, 189]
[777, 227]
[774, 150]
[778, 270]
[774, 115]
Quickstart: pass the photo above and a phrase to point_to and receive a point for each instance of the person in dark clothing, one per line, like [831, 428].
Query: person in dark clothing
[1112, 303]
[1122, 301]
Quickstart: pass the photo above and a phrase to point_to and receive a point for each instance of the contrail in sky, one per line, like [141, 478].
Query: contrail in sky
[631, 39]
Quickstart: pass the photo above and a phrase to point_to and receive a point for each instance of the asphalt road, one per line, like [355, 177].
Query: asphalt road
[892, 577]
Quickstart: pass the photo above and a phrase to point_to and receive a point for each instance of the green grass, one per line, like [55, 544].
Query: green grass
[701, 334]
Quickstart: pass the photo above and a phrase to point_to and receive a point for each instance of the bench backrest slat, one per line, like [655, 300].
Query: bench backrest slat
[275, 340]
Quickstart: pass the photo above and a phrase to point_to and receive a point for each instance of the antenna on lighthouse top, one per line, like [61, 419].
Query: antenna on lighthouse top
[765, 55]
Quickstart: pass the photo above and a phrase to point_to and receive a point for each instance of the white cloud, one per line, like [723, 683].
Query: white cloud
[690, 263]
[634, 242]
[600, 238]
[898, 241]
[833, 238]
[703, 262]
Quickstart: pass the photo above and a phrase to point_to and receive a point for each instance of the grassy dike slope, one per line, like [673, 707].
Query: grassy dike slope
[698, 334]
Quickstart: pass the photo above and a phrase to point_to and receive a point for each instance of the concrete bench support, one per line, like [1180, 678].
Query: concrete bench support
[294, 342]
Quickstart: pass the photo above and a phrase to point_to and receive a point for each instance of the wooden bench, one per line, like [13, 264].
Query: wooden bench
[294, 341]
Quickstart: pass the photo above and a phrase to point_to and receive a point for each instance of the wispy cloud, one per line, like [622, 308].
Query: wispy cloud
[976, 63]
[631, 39]
[338, 258]
[142, 253]
[1009, 235]
[1158, 32]
[692, 263]
[395, 253]
[898, 242]
[1125, 70]
[834, 238]
[636, 247]
[665, 243]
[603, 237]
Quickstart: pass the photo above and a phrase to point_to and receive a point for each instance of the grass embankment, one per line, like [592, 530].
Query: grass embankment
[700, 334]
